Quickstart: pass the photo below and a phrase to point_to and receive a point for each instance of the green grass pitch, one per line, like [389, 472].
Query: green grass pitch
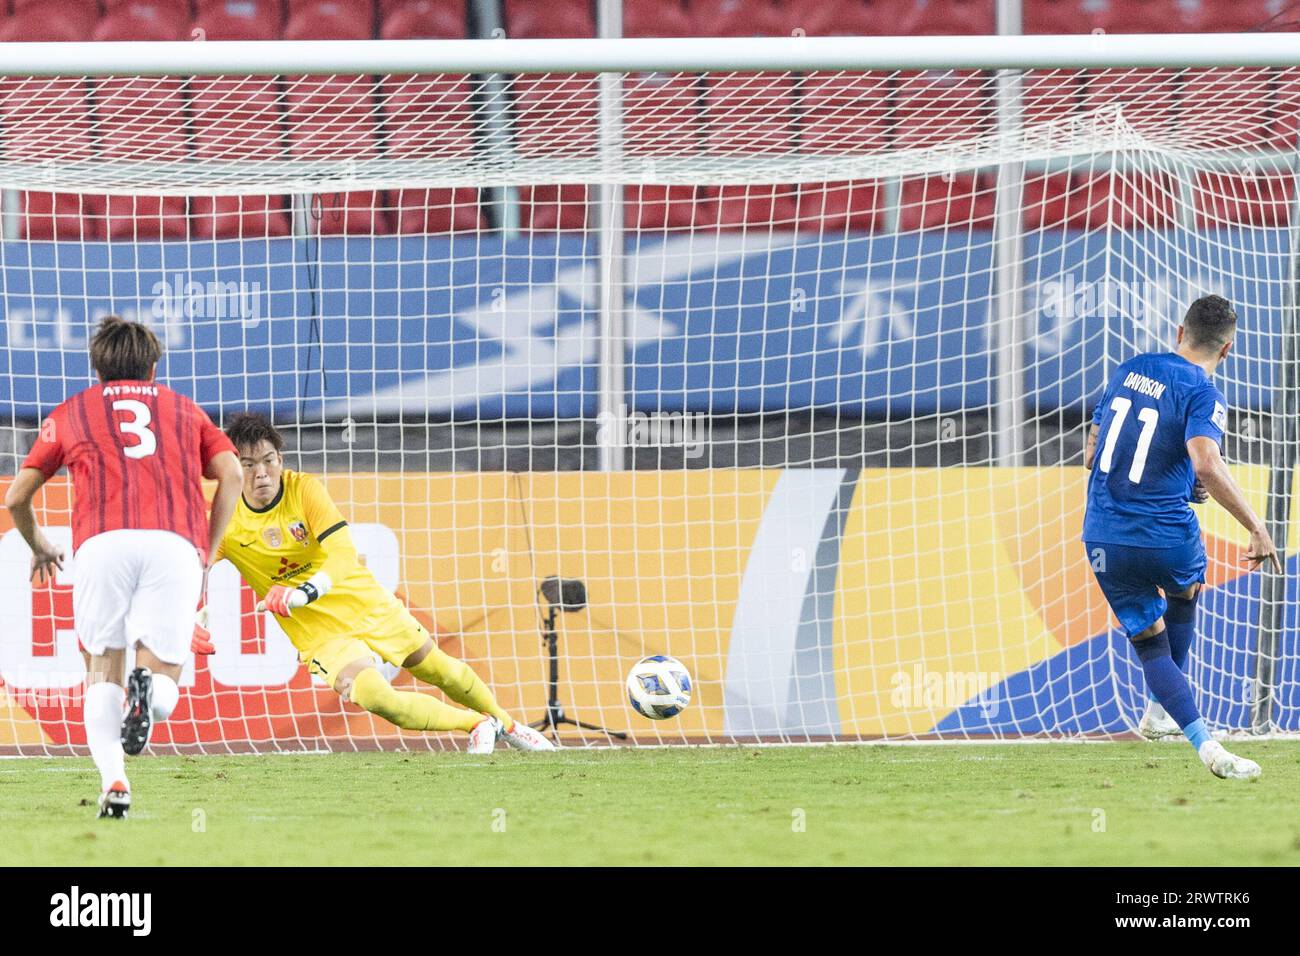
[1092, 804]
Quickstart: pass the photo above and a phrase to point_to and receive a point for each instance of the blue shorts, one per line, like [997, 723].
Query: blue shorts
[1129, 577]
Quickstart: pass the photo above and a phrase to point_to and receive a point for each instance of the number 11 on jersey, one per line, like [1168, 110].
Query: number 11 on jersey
[1148, 417]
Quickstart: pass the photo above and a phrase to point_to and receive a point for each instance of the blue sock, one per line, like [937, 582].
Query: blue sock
[1180, 626]
[1170, 687]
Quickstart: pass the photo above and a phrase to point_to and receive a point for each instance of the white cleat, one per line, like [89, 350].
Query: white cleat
[522, 737]
[483, 738]
[1157, 723]
[1227, 765]
[115, 802]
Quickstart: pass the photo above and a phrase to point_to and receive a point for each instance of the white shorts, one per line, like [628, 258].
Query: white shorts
[137, 586]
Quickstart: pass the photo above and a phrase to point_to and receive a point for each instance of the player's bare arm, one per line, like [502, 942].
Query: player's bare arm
[1090, 446]
[1212, 474]
[229, 476]
[46, 558]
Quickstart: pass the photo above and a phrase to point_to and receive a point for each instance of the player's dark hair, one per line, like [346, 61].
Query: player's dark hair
[124, 351]
[246, 429]
[1209, 323]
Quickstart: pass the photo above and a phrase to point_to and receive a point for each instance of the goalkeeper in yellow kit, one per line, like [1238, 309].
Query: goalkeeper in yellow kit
[293, 547]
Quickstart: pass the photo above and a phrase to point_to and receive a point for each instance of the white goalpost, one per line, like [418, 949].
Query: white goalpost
[785, 348]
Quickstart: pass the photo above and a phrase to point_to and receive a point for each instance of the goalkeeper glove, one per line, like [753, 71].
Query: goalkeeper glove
[281, 600]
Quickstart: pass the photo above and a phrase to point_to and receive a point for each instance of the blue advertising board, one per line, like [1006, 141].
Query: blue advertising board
[476, 326]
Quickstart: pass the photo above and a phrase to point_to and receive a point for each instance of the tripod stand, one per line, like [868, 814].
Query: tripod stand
[561, 594]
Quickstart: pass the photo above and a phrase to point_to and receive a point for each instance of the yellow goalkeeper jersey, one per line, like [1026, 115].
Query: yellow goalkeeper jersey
[298, 535]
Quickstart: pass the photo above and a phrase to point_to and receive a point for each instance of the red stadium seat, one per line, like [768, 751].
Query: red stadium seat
[652, 206]
[840, 207]
[239, 217]
[144, 20]
[937, 107]
[1046, 200]
[554, 18]
[749, 113]
[548, 208]
[750, 206]
[656, 18]
[51, 21]
[437, 210]
[423, 19]
[237, 120]
[330, 20]
[455, 7]
[1235, 106]
[849, 17]
[1286, 127]
[951, 18]
[1048, 95]
[1148, 98]
[661, 114]
[1125, 199]
[844, 112]
[145, 218]
[45, 119]
[61, 216]
[1241, 16]
[142, 118]
[331, 117]
[741, 18]
[1061, 16]
[1144, 16]
[960, 201]
[356, 213]
[48, 120]
[239, 20]
[427, 116]
[555, 114]
[1236, 199]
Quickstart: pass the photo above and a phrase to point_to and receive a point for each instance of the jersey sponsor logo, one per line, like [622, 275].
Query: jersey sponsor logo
[299, 532]
[290, 569]
[272, 537]
[1143, 385]
[1220, 416]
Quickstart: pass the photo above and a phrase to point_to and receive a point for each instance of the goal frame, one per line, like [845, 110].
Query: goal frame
[1007, 55]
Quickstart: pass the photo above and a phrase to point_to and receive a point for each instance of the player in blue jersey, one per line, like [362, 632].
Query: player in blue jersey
[1159, 427]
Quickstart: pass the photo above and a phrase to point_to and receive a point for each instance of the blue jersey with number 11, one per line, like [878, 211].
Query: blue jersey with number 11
[1142, 477]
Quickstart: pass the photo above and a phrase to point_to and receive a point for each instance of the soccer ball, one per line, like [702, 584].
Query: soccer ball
[659, 687]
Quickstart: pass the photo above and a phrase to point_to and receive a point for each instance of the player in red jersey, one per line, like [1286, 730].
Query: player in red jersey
[136, 452]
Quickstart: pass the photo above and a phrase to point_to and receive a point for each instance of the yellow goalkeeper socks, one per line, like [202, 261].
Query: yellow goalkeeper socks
[458, 681]
[408, 709]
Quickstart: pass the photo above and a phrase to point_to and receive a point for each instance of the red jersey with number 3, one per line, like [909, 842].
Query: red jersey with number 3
[136, 453]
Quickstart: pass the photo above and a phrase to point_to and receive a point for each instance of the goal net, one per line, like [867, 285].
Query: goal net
[791, 368]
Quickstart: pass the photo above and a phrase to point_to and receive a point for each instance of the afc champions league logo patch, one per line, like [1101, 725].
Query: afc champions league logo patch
[272, 537]
[299, 532]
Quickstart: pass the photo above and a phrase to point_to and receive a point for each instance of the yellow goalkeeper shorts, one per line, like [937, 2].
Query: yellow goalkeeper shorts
[389, 634]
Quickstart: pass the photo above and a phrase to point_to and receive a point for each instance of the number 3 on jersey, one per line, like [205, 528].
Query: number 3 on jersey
[1148, 417]
[138, 425]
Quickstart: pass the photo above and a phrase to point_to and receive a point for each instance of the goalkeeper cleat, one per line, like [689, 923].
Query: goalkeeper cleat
[1225, 765]
[1157, 723]
[483, 738]
[115, 802]
[522, 737]
[138, 721]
